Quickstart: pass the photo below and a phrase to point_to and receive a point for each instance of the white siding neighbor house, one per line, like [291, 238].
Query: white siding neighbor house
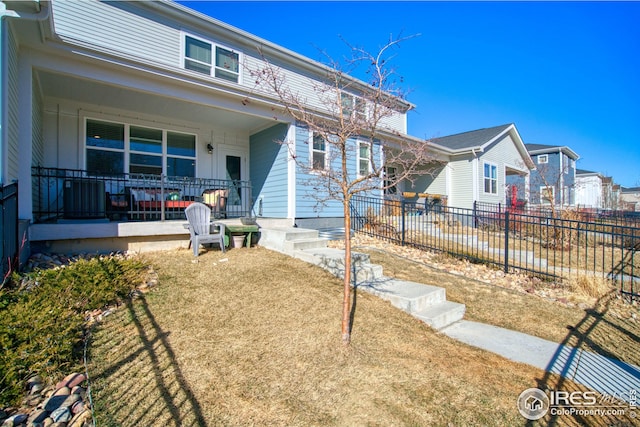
[117, 114]
[479, 167]
[589, 189]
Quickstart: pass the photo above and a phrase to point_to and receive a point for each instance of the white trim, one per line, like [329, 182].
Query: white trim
[540, 157]
[358, 158]
[291, 171]
[312, 150]
[543, 188]
[214, 45]
[476, 177]
[82, 143]
[484, 177]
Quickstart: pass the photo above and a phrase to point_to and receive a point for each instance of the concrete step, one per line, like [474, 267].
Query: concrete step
[425, 302]
[408, 296]
[332, 260]
[441, 315]
[283, 239]
[306, 243]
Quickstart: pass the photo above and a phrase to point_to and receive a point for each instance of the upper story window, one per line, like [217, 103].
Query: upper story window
[490, 178]
[116, 148]
[318, 153]
[364, 162]
[353, 105]
[208, 58]
[543, 158]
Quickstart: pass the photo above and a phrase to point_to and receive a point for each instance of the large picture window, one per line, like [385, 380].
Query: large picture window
[113, 148]
[199, 56]
[490, 178]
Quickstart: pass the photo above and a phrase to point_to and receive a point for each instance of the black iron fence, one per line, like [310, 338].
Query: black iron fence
[9, 251]
[71, 195]
[540, 245]
[604, 216]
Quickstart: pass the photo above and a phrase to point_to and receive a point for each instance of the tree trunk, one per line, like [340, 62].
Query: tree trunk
[346, 298]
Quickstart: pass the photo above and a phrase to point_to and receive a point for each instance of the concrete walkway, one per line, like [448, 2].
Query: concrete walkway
[602, 374]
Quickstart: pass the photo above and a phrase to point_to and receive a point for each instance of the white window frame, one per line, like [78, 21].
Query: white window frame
[543, 159]
[545, 189]
[312, 150]
[360, 159]
[353, 106]
[213, 66]
[490, 178]
[127, 151]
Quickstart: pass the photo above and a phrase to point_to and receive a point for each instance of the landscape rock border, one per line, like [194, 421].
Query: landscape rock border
[67, 403]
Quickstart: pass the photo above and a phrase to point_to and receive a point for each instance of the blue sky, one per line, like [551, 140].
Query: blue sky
[566, 73]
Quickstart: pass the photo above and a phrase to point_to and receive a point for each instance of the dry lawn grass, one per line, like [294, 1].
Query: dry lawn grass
[255, 340]
[606, 327]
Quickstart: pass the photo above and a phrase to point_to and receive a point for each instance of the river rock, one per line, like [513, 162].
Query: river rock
[61, 415]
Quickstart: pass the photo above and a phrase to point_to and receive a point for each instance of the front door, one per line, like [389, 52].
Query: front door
[233, 165]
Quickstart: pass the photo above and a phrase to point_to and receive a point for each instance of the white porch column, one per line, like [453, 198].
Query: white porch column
[291, 172]
[25, 138]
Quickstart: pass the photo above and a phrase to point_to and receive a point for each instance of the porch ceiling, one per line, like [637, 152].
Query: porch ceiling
[97, 93]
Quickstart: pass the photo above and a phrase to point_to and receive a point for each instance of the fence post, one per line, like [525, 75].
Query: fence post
[162, 198]
[402, 222]
[475, 214]
[506, 241]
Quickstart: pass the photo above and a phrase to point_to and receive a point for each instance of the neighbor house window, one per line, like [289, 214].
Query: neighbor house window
[115, 148]
[547, 195]
[364, 162]
[318, 153]
[490, 178]
[199, 56]
[543, 158]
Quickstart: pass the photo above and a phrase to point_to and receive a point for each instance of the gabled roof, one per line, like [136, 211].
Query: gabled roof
[474, 139]
[479, 140]
[543, 149]
[630, 189]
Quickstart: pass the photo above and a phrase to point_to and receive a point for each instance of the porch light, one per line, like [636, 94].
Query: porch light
[210, 148]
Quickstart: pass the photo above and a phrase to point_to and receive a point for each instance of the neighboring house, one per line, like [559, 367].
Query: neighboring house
[480, 166]
[611, 195]
[95, 94]
[589, 189]
[630, 198]
[553, 181]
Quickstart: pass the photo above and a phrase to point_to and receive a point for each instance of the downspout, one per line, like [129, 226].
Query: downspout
[476, 176]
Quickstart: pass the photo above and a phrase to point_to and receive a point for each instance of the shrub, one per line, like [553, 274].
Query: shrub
[42, 316]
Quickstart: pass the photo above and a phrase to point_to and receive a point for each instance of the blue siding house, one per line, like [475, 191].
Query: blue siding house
[554, 179]
[93, 89]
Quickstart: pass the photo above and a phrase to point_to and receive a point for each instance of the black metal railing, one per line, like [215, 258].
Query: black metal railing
[539, 245]
[603, 216]
[10, 248]
[69, 194]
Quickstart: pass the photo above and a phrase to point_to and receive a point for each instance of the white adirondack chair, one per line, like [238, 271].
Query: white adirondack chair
[201, 228]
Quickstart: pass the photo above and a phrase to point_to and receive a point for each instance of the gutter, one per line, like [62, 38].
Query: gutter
[43, 14]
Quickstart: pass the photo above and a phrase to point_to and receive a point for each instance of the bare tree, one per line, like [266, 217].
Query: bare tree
[352, 140]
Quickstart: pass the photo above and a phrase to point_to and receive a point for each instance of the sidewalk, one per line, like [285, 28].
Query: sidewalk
[599, 373]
